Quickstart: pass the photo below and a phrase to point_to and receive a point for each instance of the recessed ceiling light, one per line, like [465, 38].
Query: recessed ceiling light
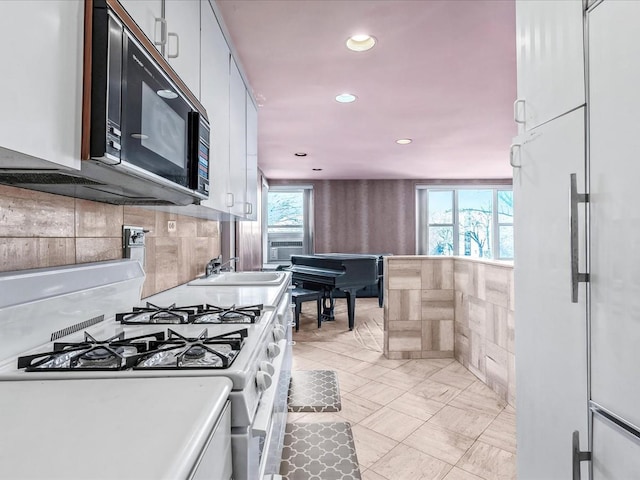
[404, 141]
[360, 43]
[300, 154]
[316, 169]
[346, 98]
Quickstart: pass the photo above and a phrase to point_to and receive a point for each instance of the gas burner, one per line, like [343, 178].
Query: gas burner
[115, 353]
[153, 314]
[180, 352]
[213, 314]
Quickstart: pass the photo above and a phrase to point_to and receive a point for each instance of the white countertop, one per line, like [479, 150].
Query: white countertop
[221, 295]
[104, 429]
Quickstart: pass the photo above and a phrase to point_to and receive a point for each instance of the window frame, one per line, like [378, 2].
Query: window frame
[423, 225]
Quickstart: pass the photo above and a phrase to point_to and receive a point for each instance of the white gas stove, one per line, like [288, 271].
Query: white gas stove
[97, 327]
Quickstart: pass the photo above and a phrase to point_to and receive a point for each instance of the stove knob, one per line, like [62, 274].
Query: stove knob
[273, 350]
[278, 333]
[263, 381]
[267, 367]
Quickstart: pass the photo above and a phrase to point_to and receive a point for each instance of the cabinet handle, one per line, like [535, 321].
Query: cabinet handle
[512, 149]
[576, 276]
[229, 199]
[577, 456]
[516, 117]
[163, 32]
[248, 208]
[177, 37]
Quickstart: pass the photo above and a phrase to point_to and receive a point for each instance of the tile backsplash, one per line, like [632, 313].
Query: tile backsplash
[44, 230]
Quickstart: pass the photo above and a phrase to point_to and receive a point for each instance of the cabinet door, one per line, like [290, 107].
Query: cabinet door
[614, 49]
[551, 333]
[550, 58]
[238, 142]
[252, 160]
[616, 453]
[145, 13]
[183, 40]
[215, 99]
[41, 82]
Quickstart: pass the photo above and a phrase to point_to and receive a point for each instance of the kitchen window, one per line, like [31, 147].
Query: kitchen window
[288, 223]
[465, 221]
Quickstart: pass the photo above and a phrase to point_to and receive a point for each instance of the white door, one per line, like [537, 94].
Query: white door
[614, 103]
[237, 142]
[550, 57]
[551, 334]
[183, 40]
[215, 99]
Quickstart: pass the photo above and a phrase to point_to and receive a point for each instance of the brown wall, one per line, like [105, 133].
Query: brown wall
[362, 216]
[368, 216]
[43, 230]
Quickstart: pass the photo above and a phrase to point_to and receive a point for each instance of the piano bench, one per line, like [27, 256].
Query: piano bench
[299, 295]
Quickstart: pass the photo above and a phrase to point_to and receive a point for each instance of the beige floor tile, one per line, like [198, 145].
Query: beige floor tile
[294, 417]
[391, 423]
[335, 360]
[416, 405]
[406, 463]
[399, 380]
[459, 474]
[437, 391]
[335, 347]
[369, 356]
[348, 381]
[355, 408]
[378, 392]
[482, 400]
[489, 462]
[371, 371]
[420, 368]
[455, 375]
[502, 432]
[370, 446]
[465, 422]
[303, 363]
[440, 443]
[371, 475]
[390, 363]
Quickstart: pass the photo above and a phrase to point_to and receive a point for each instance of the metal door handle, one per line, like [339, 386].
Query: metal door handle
[163, 32]
[177, 37]
[516, 117]
[512, 150]
[230, 200]
[576, 276]
[577, 456]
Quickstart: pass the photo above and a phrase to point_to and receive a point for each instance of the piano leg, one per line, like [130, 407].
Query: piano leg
[328, 303]
[351, 305]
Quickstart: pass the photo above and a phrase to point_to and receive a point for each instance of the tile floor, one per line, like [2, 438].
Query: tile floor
[411, 419]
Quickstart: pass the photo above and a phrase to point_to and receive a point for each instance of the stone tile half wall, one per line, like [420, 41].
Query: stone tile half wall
[453, 307]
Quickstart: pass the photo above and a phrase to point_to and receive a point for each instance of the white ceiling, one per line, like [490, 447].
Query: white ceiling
[442, 73]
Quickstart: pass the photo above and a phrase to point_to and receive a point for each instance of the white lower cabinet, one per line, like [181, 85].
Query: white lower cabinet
[551, 330]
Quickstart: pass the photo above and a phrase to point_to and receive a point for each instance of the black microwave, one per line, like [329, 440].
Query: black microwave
[144, 122]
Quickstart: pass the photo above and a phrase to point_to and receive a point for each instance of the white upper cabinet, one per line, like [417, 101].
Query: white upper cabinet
[183, 40]
[550, 58]
[238, 143]
[41, 83]
[252, 160]
[215, 99]
[148, 15]
[173, 27]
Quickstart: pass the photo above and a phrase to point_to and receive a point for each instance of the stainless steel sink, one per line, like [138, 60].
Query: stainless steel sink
[242, 278]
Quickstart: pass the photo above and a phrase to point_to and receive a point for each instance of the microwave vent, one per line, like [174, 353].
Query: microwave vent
[43, 178]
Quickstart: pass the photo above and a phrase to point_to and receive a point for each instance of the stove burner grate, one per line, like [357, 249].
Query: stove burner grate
[214, 314]
[153, 314]
[201, 352]
[114, 353]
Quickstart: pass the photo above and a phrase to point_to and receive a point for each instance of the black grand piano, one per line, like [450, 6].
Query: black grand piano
[328, 271]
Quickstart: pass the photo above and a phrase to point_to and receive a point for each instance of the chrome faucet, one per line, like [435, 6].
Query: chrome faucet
[216, 265]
